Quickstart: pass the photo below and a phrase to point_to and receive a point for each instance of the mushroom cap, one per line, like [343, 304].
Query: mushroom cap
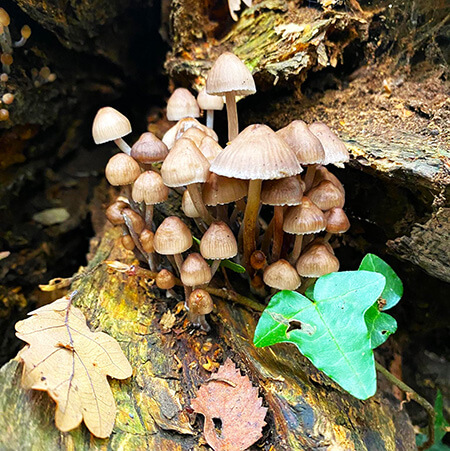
[136, 220]
[282, 192]
[114, 212]
[149, 149]
[326, 195]
[257, 153]
[149, 188]
[127, 242]
[303, 142]
[146, 238]
[181, 126]
[219, 190]
[322, 173]
[182, 104]
[109, 124]
[337, 221]
[304, 218]
[335, 150]
[194, 134]
[172, 237]
[122, 170]
[210, 148]
[165, 280]
[218, 242]
[184, 165]
[208, 102]
[282, 276]
[188, 206]
[230, 74]
[195, 271]
[317, 261]
[200, 302]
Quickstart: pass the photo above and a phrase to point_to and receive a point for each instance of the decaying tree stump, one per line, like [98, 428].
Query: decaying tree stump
[306, 409]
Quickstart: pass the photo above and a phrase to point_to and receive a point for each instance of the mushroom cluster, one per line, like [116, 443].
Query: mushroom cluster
[260, 174]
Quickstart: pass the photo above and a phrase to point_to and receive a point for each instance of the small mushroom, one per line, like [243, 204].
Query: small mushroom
[176, 132]
[326, 195]
[165, 280]
[122, 170]
[335, 151]
[110, 125]
[114, 213]
[182, 104]
[209, 104]
[322, 173]
[317, 261]
[195, 271]
[200, 304]
[337, 222]
[148, 149]
[281, 276]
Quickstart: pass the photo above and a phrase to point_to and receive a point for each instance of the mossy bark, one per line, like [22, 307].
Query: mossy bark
[306, 409]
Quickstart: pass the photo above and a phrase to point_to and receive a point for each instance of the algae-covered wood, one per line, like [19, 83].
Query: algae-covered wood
[306, 410]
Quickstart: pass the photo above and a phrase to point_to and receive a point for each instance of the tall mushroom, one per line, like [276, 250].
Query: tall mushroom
[337, 222]
[257, 154]
[111, 125]
[209, 104]
[335, 151]
[230, 77]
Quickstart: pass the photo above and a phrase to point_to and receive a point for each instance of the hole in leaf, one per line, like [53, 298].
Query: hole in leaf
[384, 332]
[218, 425]
[294, 325]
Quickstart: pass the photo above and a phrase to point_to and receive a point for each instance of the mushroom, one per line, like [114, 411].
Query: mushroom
[279, 194]
[186, 166]
[281, 276]
[25, 33]
[218, 243]
[230, 77]
[146, 238]
[5, 36]
[306, 146]
[110, 125]
[303, 219]
[182, 104]
[165, 280]
[200, 304]
[335, 151]
[194, 134]
[209, 148]
[148, 149]
[182, 126]
[258, 260]
[195, 272]
[326, 195]
[122, 170]
[114, 212]
[172, 238]
[317, 261]
[337, 222]
[209, 104]
[322, 173]
[257, 154]
[128, 242]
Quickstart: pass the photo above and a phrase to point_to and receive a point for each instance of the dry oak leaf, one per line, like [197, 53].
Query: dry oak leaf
[66, 359]
[230, 398]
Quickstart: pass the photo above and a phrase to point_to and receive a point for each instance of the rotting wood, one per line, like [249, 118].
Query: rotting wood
[306, 409]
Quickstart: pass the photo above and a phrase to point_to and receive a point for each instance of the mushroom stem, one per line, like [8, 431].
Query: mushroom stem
[222, 213]
[309, 177]
[297, 249]
[199, 321]
[233, 125]
[178, 262]
[277, 233]
[265, 244]
[134, 235]
[128, 194]
[195, 192]
[250, 218]
[214, 267]
[327, 237]
[123, 146]
[149, 217]
[210, 118]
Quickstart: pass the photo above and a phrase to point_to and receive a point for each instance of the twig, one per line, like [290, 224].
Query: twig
[411, 394]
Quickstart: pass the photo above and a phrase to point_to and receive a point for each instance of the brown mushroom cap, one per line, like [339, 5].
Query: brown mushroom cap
[200, 302]
[316, 261]
[335, 151]
[194, 134]
[182, 126]
[136, 220]
[257, 153]
[165, 280]
[195, 271]
[172, 237]
[282, 276]
[326, 195]
[208, 102]
[282, 192]
[210, 148]
[230, 74]
[122, 170]
[182, 104]
[218, 242]
[114, 212]
[337, 221]
[303, 142]
[219, 190]
[322, 173]
[149, 188]
[146, 238]
[149, 149]
[184, 165]
[304, 218]
[109, 124]
[127, 242]
[258, 260]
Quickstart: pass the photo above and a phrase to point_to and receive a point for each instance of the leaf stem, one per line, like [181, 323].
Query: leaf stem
[411, 394]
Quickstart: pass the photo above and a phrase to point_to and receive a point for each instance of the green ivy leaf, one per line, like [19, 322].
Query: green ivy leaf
[380, 326]
[331, 330]
[393, 291]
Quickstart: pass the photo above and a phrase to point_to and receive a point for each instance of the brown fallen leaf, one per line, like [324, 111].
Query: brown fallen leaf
[66, 359]
[230, 398]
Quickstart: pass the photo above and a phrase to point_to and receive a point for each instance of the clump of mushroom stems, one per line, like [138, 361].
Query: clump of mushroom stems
[260, 246]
